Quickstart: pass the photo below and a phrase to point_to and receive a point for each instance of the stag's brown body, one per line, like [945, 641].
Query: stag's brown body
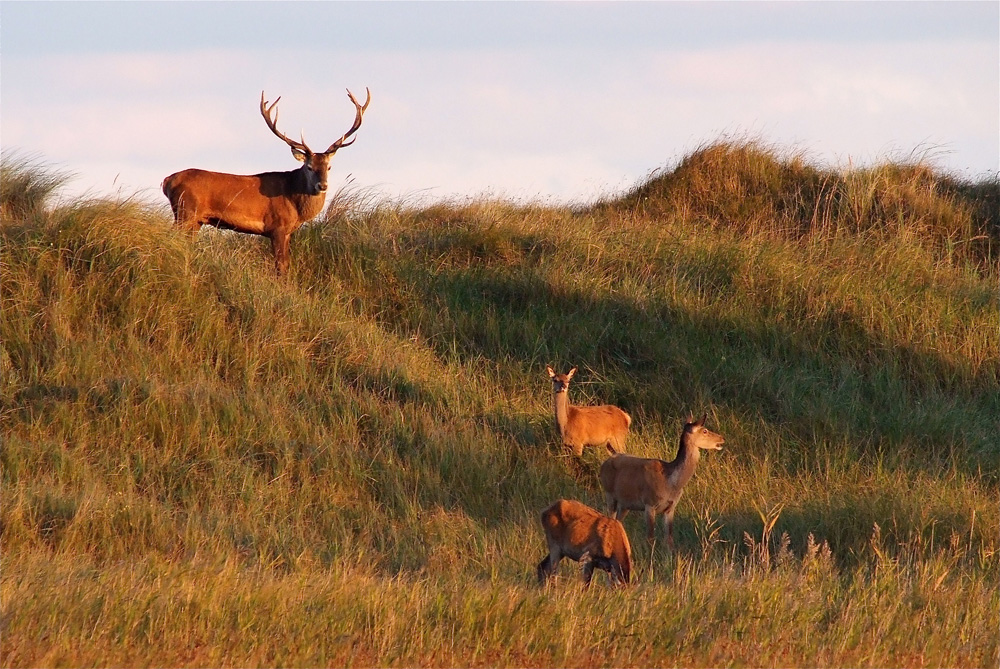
[579, 426]
[272, 204]
[574, 530]
[655, 486]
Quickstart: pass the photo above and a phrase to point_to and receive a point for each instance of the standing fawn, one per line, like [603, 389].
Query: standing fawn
[655, 486]
[576, 531]
[604, 425]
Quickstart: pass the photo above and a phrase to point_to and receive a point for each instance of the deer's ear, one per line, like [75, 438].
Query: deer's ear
[551, 371]
[299, 154]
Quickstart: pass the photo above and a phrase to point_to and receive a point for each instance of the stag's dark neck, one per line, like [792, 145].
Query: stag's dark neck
[292, 184]
[309, 206]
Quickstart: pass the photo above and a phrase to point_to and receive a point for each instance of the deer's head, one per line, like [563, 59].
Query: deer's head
[560, 382]
[700, 436]
[315, 165]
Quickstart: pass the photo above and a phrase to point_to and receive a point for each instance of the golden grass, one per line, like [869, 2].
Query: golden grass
[204, 466]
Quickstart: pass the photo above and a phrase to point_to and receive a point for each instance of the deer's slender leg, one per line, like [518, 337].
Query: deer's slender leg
[279, 244]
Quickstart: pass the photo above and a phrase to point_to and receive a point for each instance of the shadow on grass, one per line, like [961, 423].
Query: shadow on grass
[827, 380]
[662, 363]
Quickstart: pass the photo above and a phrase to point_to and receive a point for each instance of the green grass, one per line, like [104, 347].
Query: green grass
[205, 466]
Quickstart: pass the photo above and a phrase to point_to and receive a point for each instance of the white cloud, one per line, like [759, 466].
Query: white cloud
[531, 122]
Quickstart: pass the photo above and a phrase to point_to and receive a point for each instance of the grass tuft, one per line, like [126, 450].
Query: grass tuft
[753, 187]
[27, 186]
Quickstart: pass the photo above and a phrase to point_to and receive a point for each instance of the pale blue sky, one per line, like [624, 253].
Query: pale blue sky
[528, 100]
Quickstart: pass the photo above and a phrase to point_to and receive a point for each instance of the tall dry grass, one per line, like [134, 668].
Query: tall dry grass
[202, 465]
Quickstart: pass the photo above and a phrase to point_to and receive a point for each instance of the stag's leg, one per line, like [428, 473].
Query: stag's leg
[191, 227]
[185, 214]
[188, 224]
[279, 244]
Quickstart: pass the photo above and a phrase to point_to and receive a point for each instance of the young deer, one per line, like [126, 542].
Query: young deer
[576, 531]
[604, 425]
[655, 486]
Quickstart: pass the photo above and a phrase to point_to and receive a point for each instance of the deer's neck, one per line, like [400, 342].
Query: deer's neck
[309, 206]
[682, 467]
[560, 402]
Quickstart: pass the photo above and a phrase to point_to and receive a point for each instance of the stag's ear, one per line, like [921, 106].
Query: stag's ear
[299, 154]
[570, 373]
[550, 370]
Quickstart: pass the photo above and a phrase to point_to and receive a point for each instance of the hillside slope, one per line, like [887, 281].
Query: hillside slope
[203, 465]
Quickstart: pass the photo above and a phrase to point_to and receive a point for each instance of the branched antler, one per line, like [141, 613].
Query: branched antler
[357, 122]
[272, 123]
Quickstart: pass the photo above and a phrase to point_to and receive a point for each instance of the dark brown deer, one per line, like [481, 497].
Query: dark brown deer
[574, 530]
[272, 204]
[580, 426]
[655, 486]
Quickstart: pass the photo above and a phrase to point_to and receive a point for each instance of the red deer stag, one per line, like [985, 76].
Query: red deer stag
[580, 426]
[272, 204]
[576, 531]
[655, 486]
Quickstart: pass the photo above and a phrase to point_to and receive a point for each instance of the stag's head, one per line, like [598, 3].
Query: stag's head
[315, 166]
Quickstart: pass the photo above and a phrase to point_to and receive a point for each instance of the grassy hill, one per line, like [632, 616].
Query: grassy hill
[205, 466]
